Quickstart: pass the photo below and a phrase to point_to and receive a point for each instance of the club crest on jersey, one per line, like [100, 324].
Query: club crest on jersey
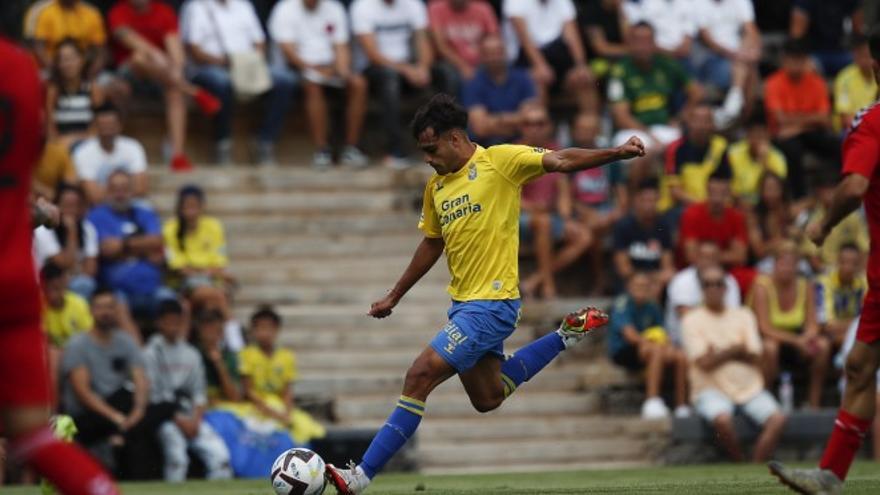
[439, 185]
[538, 150]
[472, 171]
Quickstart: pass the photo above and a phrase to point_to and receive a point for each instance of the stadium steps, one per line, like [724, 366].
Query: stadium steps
[322, 246]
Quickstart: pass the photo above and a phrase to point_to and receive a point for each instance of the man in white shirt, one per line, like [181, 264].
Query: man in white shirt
[673, 20]
[212, 30]
[99, 156]
[550, 44]
[312, 42]
[394, 37]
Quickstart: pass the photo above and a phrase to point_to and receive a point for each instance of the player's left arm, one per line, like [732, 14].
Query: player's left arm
[575, 159]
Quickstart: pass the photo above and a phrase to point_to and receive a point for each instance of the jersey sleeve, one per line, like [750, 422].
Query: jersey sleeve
[861, 150]
[429, 223]
[518, 163]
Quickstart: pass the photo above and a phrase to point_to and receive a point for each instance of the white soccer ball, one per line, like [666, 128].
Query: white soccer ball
[298, 472]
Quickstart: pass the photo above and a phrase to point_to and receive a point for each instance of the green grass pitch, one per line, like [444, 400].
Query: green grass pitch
[703, 480]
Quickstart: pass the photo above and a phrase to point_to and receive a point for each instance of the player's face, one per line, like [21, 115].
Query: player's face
[171, 326]
[440, 151]
[104, 312]
[849, 263]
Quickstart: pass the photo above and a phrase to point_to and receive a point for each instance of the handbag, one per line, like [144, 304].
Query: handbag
[248, 70]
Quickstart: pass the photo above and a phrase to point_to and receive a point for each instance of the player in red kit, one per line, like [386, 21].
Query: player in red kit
[25, 396]
[861, 168]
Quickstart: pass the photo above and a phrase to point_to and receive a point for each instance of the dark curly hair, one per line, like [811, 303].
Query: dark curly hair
[442, 113]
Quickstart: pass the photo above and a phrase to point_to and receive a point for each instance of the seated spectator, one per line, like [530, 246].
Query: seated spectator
[457, 28]
[220, 362]
[723, 347]
[147, 49]
[799, 114]
[78, 240]
[852, 230]
[496, 96]
[642, 88]
[99, 156]
[313, 39]
[46, 247]
[48, 24]
[393, 35]
[637, 341]
[214, 30]
[70, 96]
[98, 369]
[195, 246]
[267, 375]
[821, 24]
[673, 20]
[131, 247]
[684, 292]
[550, 46]
[773, 218]
[785, 304]
[854, 86]
[839, 294]
[547, 216]
[54, 169]
[604, 26]
[750, 159]
[692, 159]
[643, 240]
[177, 380]
[727, 29]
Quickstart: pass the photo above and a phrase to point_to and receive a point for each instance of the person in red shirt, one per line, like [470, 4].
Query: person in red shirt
[147, 46]
[799, 114]
[861, 184]
[458, 27]
[25, 394]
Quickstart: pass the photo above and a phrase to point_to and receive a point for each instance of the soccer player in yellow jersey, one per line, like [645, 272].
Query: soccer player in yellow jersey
[471, 210]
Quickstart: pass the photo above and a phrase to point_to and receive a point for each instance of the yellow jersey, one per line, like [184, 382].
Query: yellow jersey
[836, 301]
[72, 318]
[476, 212]
[269, 374]
[52, 23]
[204, 247]
[747, 171]
[852, 92]
[689, 167]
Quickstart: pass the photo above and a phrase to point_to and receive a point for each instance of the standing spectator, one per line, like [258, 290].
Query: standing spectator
[54, 170]
[727, 29]
[70, 96]
[642, 240]
[642, 88]
[772, 220]
[799, 114]
[724, 354]
[313, 39]
[108, 151]
[851, 230]
[692, 159]
[715, 220]
[673, 20]
[605, 25]
[637, 340]
[131, 247]
[147, 47]
[684, 292]
[393, 35]
[78, 240]
[177, 379]
[214, 30]
[822, 25]
[220, 362]
[854, 86]
[104, 386]
[57, 20]
[785, 304]
[495, 97]
[457, 28]
[750, 159]
[550, 46]
[195, 246]
[839, 294]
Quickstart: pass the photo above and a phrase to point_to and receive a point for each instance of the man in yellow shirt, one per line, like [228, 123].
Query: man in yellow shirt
[66, 313]
[49, 22]
[750, 159]
[839, 293]
[854, 86]
[471, 211]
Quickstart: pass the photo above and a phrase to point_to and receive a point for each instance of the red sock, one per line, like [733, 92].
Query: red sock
[65, 465]
[846, 438]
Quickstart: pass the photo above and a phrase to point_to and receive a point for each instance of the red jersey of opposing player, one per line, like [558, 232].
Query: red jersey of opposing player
[861, 155]
[23, 374]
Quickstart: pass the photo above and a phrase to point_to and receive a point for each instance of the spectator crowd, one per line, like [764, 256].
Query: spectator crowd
[742, 105]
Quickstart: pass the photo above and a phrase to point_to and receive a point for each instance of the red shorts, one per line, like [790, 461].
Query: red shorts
[869, 322]
[24, 370]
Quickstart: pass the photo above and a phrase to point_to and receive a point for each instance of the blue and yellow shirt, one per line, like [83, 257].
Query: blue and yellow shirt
[269, 374]
[835, 301]
[476, 212]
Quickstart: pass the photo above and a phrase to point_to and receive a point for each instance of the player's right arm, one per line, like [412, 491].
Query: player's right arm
[425, 257]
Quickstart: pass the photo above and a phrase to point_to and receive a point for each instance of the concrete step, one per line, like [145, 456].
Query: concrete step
[306, 202]
[534, 466]
[390, 337]
[327, 292]
[342, 269]
[321, 246]
[246, 223]
[417, 316]
[584, 428]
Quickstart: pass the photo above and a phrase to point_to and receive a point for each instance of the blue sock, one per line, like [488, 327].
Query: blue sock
[399, 427]
[529, 360]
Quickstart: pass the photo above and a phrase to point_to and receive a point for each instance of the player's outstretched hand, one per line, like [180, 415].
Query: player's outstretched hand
[816, 233]
[382, 308]
[632, 148]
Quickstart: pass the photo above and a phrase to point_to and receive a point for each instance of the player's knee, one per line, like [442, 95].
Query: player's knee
[419, 379]
[486, 404]
[723, 421]
[859, 373]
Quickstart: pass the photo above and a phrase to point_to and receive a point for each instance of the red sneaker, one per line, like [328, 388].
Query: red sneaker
[180, 163]
[584, 320]
[208, 103]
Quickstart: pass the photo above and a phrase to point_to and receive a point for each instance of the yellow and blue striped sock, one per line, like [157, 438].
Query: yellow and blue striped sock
[399, 427]
[528, 361]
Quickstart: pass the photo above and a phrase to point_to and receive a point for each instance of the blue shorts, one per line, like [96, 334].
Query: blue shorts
[475, 329]
[557, 227]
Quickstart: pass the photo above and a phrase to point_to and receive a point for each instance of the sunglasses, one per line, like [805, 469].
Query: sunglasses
[712, 283]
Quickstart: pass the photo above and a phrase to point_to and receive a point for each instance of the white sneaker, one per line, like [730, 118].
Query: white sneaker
[654, 408]
[351, 481]
[322, 160]
[353, 157]
[682, 412]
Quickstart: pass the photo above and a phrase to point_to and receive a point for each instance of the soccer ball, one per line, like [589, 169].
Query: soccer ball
[298, 472]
